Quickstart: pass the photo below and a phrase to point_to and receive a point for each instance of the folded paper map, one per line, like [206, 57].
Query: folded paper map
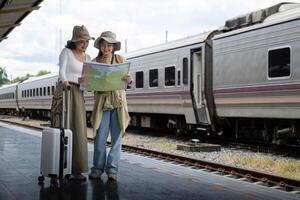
[103, 77]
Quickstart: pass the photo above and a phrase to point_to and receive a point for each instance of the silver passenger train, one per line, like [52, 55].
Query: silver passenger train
[242, 79]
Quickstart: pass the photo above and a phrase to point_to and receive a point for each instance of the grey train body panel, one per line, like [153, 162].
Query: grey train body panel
[8, 97]
[242, 84]
[187, 99]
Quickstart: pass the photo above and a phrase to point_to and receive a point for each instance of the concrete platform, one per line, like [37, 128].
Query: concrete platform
[139, 178]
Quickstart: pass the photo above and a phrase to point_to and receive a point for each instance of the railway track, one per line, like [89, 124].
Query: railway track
[286, 184]
[254, 146]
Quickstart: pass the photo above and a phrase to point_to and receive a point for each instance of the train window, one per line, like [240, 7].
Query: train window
[27, 93]
[44, 93]
[178, 77]
[22, 93]
[169, 76]
[279, 62]
[52, 91]
[41, 91]
[185, 71]
[37, 92]
[48, 93]
[33, 92]
[139, 76]
[153, 77]
[30, 91]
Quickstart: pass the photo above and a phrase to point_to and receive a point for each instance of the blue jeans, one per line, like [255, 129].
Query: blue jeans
[109, 122]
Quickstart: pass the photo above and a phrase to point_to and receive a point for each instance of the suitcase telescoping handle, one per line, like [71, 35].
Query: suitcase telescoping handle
[65, 122]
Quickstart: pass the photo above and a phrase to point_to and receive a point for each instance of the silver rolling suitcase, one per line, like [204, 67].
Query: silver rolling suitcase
[56, 149]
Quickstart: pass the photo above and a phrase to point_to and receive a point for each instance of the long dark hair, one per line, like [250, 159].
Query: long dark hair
[70, 45]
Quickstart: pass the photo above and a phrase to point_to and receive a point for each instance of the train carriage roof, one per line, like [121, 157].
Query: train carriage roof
[276, 14]
[37, 78]
[190, 40]
[12, 12]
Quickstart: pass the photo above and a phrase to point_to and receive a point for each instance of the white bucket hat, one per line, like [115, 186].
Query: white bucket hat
[109, 37]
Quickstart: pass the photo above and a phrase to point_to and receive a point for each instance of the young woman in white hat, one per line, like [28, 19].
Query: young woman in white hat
[70, 66]
[110, 113]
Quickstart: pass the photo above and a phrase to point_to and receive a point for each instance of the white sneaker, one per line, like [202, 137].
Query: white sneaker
[112, 177]
[94, 175]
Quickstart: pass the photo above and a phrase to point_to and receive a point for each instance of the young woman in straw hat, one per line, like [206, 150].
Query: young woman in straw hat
[70, 66]
[110, 113]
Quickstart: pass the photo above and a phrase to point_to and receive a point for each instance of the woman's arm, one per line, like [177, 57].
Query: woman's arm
[63, 59]
[128, 79]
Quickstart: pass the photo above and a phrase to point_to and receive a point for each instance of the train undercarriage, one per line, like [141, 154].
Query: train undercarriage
[271, 131]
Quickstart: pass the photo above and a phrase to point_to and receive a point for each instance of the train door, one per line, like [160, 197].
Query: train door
[197, 62]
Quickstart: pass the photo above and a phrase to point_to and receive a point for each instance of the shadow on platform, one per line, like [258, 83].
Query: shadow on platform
[75, 190]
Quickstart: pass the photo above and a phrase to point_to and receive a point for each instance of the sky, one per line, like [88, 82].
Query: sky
[36, 44]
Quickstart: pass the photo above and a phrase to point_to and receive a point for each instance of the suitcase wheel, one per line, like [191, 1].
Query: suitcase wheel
[53, 182]
[41, 179]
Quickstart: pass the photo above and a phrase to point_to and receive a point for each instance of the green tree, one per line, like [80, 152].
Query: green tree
[3, 76]
[23, 78]
[20, 79]
[42, 72]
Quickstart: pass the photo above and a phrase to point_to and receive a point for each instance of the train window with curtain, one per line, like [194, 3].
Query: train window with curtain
[153, 77]
[279, 62]
[169, 76]
[185, 71]
[139, 76]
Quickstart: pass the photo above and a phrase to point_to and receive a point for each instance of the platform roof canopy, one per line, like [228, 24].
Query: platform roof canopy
[12, 12]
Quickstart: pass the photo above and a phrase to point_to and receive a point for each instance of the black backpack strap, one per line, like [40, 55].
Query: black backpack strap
[113, 58]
